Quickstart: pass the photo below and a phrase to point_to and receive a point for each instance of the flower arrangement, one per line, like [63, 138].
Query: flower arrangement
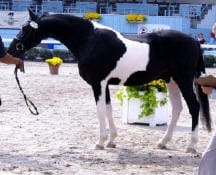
[147, 94]
[54, 64]
[92, 16]
[136, 18]
[54, 61]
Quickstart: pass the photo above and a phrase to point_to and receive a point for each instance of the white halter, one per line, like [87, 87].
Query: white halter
[34, 25]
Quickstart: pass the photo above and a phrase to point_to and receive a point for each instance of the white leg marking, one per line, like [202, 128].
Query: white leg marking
[194, 139]
[112, 127]
[101, 111]
[176, 103]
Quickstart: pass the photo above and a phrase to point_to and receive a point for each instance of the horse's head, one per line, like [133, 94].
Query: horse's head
[27, 38]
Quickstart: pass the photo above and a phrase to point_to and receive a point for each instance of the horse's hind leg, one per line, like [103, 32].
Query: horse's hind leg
[187, 90]
[112, 127]
[176, 103]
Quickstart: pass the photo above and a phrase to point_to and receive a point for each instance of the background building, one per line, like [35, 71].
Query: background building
[191, 16]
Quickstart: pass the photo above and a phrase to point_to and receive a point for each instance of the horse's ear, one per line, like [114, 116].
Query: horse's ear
[33, 16]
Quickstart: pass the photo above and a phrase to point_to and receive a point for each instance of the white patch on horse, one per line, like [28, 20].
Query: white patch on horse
[135, 59]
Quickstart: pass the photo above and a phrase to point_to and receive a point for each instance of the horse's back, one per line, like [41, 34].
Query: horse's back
[167, 36]
[173, 51]
[173, 45]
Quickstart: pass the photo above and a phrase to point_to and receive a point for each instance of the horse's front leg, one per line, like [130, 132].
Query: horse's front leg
[112, 127]
[176, 104]
[99, 94]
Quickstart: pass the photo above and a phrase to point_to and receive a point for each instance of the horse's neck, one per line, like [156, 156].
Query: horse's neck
[72, 32]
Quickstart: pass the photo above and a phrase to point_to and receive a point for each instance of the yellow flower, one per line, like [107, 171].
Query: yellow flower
[92, 15]
[54, 61]
[136, 18]
[159, 84]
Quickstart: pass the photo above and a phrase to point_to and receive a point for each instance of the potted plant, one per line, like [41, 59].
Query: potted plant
[142, 103]
[92, 16]
[54, 64]
[136, 18]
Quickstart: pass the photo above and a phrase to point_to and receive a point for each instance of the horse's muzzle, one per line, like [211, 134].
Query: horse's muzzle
[16, 48]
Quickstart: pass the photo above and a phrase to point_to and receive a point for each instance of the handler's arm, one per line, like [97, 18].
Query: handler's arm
[209, 91]
[9, 59]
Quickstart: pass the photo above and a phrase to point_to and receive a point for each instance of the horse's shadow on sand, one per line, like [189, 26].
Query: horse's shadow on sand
[30, 162]
[79, 155]
[127, 156]
[46, 162]
[163, 127]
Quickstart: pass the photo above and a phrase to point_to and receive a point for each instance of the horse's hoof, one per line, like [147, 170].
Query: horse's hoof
[111, 145]
[191, 150]
[99, 147]
[161, 146]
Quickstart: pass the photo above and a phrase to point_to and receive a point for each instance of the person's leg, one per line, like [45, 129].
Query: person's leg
[208, 162]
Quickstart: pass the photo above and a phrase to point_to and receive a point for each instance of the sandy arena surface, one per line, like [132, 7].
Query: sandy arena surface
[61, 140]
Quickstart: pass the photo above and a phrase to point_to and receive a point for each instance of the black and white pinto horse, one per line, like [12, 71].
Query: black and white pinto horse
[106, 57]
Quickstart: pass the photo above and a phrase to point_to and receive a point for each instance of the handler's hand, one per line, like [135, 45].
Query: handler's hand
[20, 65]
[207, 90]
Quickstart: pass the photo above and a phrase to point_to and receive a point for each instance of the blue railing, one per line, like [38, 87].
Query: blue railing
[4, 6]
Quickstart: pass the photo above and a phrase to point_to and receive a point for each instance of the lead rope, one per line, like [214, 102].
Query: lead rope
[27, 100]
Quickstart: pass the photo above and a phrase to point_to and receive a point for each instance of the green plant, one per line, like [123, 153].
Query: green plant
[40, 54]
[147, 94]
[209, 60]
[45, 53]
[64, 54]
[31, 54]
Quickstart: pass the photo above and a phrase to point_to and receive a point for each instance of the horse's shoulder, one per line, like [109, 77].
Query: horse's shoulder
[101, 52]
[108, 37]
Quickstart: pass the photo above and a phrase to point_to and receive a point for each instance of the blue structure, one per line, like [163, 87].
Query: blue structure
[186, 17]
[52, 6]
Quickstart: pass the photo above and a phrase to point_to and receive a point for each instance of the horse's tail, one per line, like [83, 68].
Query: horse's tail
[203, 98]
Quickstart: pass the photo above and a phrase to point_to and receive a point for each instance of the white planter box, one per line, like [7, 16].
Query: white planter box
[131, 111]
